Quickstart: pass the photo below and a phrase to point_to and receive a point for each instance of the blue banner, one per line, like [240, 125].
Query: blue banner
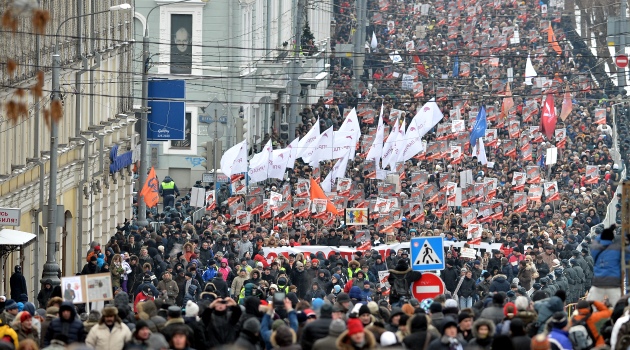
[167, 117]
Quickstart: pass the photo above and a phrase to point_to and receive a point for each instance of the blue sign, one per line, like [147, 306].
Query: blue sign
[167, 118]
[427, 253]
[209, 120]
[119, 162]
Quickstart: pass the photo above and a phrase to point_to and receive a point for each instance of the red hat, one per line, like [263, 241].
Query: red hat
[25, 316]
[310, 313]
[97, 247]
[354, 326]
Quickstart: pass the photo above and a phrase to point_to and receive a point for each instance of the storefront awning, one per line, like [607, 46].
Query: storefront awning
[13, 239]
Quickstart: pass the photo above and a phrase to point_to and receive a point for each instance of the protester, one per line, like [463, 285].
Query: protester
[110, 333]
[67, 323]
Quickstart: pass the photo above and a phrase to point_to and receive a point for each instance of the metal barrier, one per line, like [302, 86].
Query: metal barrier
[198, 214]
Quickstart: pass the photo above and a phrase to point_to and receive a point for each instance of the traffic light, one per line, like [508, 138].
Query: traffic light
[284, 131]
[241, 129]
[210, 156]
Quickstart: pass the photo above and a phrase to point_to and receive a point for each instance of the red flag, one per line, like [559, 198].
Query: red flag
[508, 102]
[551, 38]
[420, 66]
[567, 106]
[548, 118]
[318, 193]
[150, 190]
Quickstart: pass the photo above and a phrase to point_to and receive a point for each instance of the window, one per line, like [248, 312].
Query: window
[181, 44]
[186, 143]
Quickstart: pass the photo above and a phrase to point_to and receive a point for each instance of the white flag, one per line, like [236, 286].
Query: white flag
[376, 150]
[351, 124]
[278, 164]
[374, 42]
[479, 151]
[234, 160]
[414, 144]
[343, 142]
[324, 148]
[399, 146]
[389, 149]
[308, 141]
[529, 71]
[293, 146]
[337, 171]
[427, 117]
[259, 164]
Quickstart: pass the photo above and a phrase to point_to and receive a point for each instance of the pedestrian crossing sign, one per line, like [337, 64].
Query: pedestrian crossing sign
[427, 253]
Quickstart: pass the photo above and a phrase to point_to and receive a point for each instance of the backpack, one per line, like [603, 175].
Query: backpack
[400, 288]
[580, 335]
[623, 337]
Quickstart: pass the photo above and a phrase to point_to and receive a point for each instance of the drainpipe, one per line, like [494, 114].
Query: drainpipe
[84, 180]
[97, 64]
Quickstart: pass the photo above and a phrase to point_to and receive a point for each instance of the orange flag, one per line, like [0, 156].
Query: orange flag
[567, 106]
[150, 190]
[318, 193]
[551, 38]
[508, 102]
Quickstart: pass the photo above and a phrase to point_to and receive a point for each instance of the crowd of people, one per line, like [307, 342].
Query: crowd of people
[546, 282]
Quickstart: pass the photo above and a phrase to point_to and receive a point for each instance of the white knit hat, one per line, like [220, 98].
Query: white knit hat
[191, 309]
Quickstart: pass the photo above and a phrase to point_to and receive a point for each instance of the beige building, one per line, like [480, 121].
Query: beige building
[96, 82]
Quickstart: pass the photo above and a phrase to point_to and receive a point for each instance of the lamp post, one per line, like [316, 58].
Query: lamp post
[51, 267]
[142, 174]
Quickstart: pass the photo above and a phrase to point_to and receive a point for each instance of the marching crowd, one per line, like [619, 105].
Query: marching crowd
[209, 283]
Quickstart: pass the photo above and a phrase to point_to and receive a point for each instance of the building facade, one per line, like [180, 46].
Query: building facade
[95, 131]
[235, 58]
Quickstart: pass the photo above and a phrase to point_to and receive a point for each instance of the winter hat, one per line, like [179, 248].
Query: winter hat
[448, 322]
[364, 309]
[435, 308]
[41, 313]
[583, 304]
[540, 342]
[317, 303]
[174, 312]
[558, 320]
[337, 276]
[337, 288]
[373, 306]
[608, 234]
[462, 316]
[408, 309]
[354, 326]
[341, 298]
[191, 309]
[252, 325]
[509, 309]
[109, 311]
[20, 306]
[141, 324]
[336, 328]
[277, 324]
[388, 338]
[94, 316]
[10, 304]
[450, 303]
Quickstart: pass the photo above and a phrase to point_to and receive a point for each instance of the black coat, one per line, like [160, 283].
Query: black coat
[467, 289]
[222, 287]
[301, 280]
[18, 285]
[450, 276]
[500, 284]
[72, 328]
[221, 327]
[313, 331]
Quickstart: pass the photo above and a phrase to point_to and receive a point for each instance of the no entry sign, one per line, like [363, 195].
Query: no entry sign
[429, 286]
[621, 61]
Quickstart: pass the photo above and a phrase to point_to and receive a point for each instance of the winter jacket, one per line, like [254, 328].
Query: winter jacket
[6, 331]
[607, 257]
[101, 338]
[545, 309]
[594, 319]
[72, 328]
[484, 343]
[525, 277]
[171, 289]
[315, 330]
[494, 313]
[237, 285]
[45, 294]
[467, 288]
[402, 271]
[418, 333]
[449, 276]
[221, 326]
[559, 340]
[500, 284]
[443, 343]
[18, 285]
[344, 342]
[22, 335]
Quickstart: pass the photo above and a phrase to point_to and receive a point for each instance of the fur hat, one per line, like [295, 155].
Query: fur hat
[109, 311]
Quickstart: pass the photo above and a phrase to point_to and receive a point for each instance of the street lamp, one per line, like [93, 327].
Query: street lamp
[51, 267]
[142, 175]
